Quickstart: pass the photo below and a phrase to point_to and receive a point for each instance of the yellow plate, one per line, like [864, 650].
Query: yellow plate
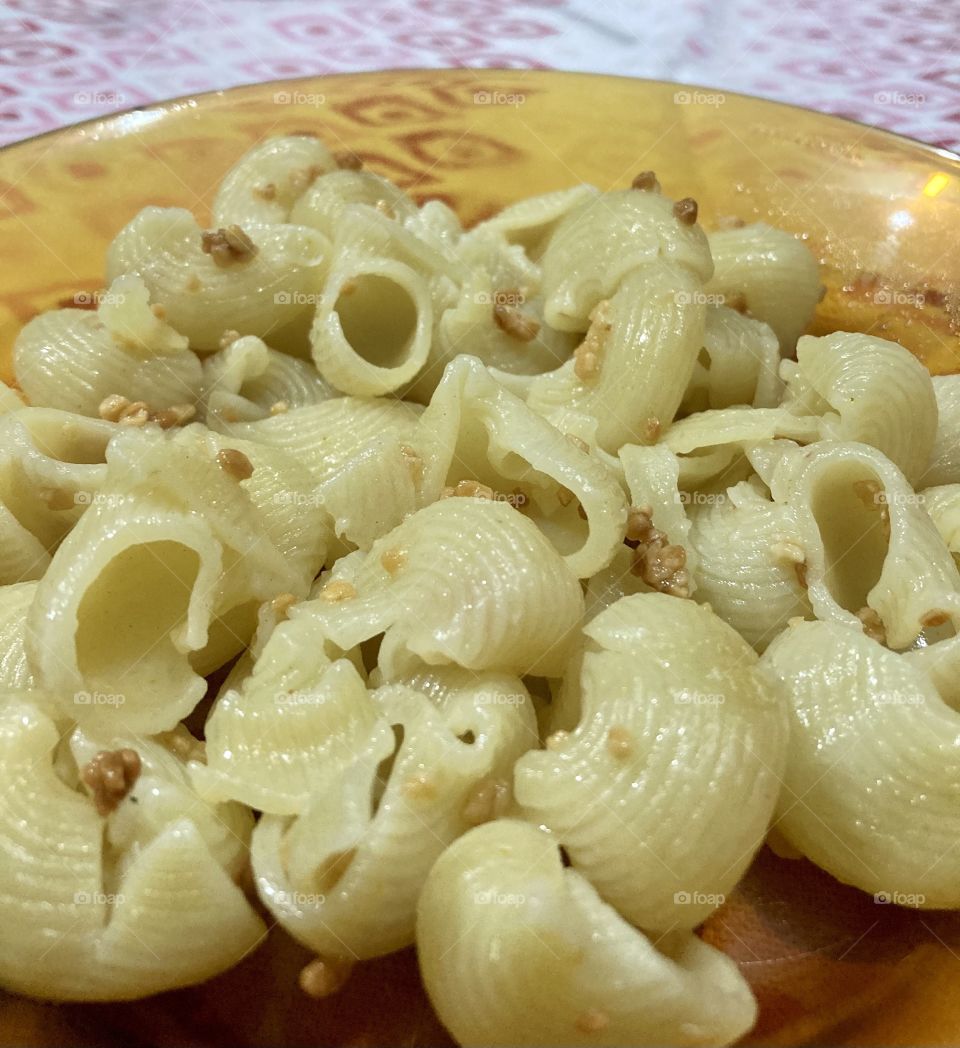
[880, 212]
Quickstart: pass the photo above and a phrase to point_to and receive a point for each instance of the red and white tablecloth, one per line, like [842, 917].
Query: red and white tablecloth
[892, 63]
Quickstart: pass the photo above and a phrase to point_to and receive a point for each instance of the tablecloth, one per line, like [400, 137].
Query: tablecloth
[893, 64]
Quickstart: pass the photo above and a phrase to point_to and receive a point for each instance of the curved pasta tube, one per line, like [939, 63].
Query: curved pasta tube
[774, 274]
[322, 204]
[265, 185]
[866, 544]
[51, 469]
[530, 222]
[274, 734]
[750, 560]
[652, 325]
[344, 877]
[515, 949]
[73, 359]
[10, 400]
[738, 364]
[270, 290]
[122, 906]
[466, 581]
[15, 601]
[868, 390]
[476, 431]
[870, 784]
[248, 381]
[596, 244]
[373, 326]
[944, 464]
[172, 545]
[663, 791]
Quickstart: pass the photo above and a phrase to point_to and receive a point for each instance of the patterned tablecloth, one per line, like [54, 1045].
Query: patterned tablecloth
[892, 63]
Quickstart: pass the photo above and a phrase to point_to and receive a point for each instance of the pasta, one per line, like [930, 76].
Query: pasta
[521, 580]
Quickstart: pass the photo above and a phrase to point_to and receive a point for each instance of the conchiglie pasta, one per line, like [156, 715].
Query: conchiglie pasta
[15, 601]
[345, 875]
[664, 789]
[321, 205]
[267, 284]
[515, 949]
[774, 274]
[944, 464]
[73, 359]
[125, 905]
[871, 782]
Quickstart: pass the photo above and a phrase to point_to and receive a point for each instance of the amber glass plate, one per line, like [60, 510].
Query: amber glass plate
[881, 213]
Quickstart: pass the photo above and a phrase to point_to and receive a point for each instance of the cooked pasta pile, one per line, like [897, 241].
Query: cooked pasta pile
[548, 564]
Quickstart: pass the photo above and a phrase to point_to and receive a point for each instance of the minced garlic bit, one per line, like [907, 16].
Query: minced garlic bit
[348, 160]
[872, 625]
[393, 560]
[868, 492]
[556, 740]
[227, 246]
[282, 603]
[564, 496]
[338, 590]
[57, 498]
[182, 744]
[304, 177]
[268, 191]
[485, 801]
[646, 181]
[515, 323]
[116, 408]
[324, 976]
[619, 742]
[193, 283]
[280, 407]
[592, 1021]
[800, 570]
[111, 775]
[934, 618]
[228, 338]
[685, 211]
[234, 462]
[651, 429]
[414, 463]
[159, 310]
[466, 489]
[660, 563]
[586, 357]
[385, 209]
[737, 301]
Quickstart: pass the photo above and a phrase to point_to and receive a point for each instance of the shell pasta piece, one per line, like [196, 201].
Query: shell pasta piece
[870, 787]
[515, 949]
[672, 706]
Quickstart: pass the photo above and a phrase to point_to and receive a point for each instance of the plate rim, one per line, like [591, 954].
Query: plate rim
[902, 141]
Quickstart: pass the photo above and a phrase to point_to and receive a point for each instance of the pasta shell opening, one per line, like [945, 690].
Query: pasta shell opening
[378, 318]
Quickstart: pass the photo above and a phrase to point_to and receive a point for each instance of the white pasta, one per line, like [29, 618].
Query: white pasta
[15, 601]
[944, 464]
[267, 288]
[869, 390]
[531, 221]
[120, 905]
[345, 875]
[267, 182]
[74, 358]
[870, 788]
[322, 204]
[516, 950]
[663, 790]
[771, 272]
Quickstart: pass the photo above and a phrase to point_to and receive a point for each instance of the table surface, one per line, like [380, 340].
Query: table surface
[891, 63]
